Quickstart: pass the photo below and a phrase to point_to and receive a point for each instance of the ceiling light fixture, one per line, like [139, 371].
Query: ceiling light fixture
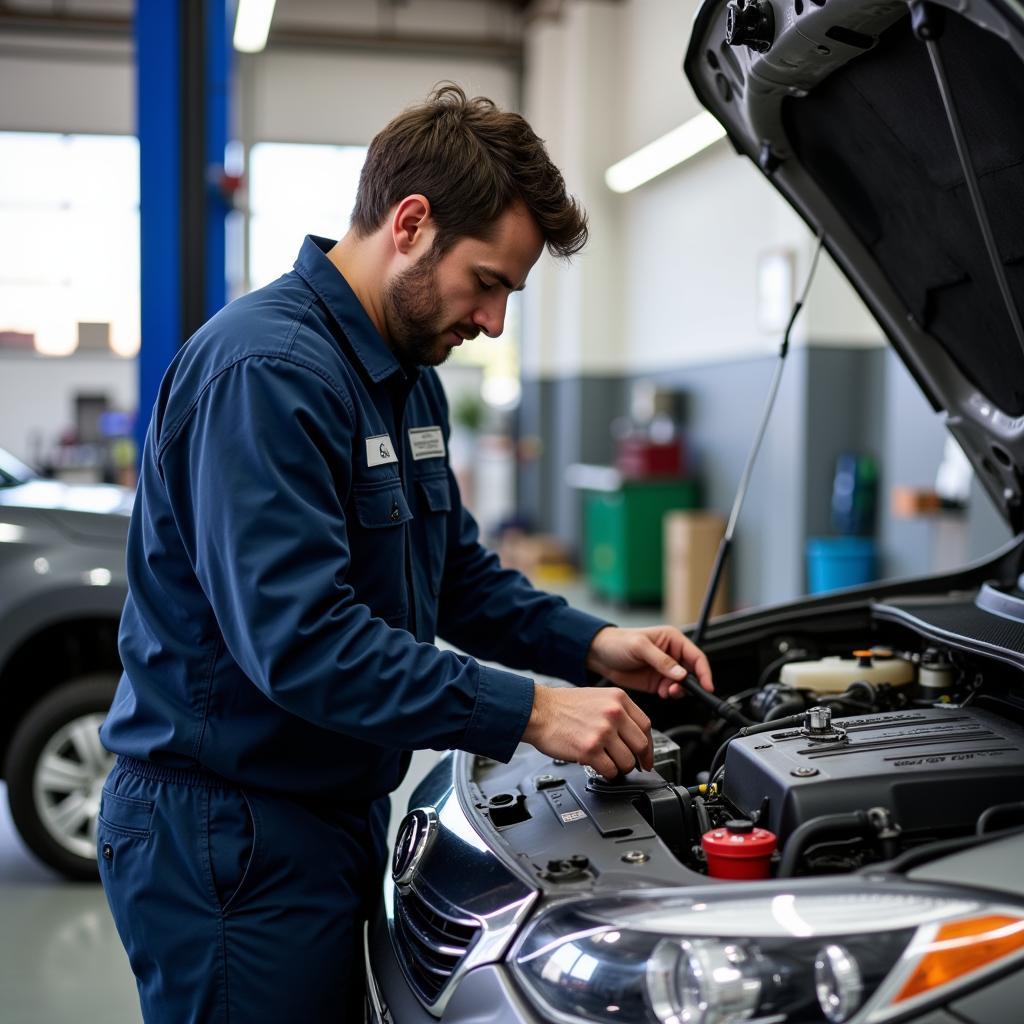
[689, 139]
[252, 25]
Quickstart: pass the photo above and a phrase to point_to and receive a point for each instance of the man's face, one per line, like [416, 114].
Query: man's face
[434, 305]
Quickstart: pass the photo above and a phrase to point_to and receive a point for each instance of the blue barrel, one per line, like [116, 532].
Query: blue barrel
[836, 562]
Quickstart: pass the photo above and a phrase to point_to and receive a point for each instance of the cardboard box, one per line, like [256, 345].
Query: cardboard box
[691, 544]
[540, 557]
[911, 502]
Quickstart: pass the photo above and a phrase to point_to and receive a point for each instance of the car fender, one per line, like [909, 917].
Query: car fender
[51, 607]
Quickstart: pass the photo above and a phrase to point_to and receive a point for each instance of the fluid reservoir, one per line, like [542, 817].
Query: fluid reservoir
[937, 674]
[739, 850]
[834, 675]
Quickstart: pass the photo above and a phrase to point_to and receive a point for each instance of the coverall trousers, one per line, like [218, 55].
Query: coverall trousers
[236, 906]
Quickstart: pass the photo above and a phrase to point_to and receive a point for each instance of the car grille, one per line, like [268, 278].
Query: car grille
[430, 942]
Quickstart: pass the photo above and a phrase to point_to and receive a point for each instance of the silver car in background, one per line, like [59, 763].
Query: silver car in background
[62, 586]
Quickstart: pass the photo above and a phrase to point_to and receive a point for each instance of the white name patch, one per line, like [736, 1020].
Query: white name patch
[426, 443]
[380, 450]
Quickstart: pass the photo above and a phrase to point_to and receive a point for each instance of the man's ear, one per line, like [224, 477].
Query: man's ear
[412, 227]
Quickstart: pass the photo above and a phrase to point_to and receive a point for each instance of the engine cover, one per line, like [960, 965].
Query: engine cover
[935, 769]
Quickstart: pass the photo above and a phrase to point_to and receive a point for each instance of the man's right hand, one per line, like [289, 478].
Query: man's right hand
[598, 726]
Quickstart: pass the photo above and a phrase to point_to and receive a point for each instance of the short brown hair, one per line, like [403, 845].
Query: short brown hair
[472, 161]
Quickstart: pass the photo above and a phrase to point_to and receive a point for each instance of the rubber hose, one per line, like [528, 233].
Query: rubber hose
[932, 851]
[785, 709]
[751, 730]
[688, 731]
[854, 821]
[996, 811]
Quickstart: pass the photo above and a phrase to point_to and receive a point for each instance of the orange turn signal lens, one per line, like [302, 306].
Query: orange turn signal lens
[961, 947]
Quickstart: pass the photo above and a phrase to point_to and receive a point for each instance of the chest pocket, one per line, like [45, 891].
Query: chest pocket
[377, 544]
[380, 505]
[436, 502]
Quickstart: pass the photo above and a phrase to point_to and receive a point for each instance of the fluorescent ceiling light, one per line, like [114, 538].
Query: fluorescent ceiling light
[662, 154]
[252, 24]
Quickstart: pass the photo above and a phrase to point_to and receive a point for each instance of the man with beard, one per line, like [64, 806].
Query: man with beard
[297, 542]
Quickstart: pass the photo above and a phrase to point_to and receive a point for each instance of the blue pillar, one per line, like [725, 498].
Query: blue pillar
[183, 64]
[218, 95]
[157, 111]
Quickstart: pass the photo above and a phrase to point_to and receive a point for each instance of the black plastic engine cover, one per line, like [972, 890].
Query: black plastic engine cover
[935, 769]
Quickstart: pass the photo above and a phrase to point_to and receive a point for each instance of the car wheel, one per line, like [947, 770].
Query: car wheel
[55, 770]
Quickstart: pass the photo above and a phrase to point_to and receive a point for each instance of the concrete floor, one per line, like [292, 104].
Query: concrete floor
[60, 958]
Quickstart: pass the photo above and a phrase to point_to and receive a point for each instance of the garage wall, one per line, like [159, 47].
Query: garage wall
[673, 299]
[346, 98]
[37, 395]
[49, 85]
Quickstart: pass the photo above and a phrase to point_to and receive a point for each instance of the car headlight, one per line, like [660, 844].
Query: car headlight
[794, 956]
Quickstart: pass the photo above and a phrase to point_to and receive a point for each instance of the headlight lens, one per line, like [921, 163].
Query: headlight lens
[703, 980]
[794, 957]
[837, 983]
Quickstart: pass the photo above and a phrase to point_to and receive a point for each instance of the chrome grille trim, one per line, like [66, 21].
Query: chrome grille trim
[411, 916]
[495, 933]
[457, 940]
[433, 942]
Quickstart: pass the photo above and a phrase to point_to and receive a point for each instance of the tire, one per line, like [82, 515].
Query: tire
[55, 771]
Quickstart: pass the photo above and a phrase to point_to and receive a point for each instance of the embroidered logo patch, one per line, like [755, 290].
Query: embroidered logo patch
[380, 450]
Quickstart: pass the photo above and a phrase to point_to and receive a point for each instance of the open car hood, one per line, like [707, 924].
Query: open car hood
[842, 111]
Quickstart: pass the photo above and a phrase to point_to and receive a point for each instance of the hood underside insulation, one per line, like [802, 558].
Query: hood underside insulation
[874, 137]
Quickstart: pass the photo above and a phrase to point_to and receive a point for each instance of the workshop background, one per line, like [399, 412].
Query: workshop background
[600, 440]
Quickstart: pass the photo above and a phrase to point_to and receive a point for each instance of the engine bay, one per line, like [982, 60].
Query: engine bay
[861, 749]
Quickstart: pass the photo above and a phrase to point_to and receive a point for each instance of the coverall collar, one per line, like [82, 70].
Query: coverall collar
[330, 285]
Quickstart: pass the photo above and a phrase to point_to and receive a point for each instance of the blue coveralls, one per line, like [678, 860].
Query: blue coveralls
[297, 541]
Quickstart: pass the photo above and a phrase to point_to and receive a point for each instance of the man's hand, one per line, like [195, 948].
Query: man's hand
[599, 726]
[651, 660]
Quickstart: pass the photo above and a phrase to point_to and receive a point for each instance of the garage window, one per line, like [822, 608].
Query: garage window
[297, 190]
[69, 265]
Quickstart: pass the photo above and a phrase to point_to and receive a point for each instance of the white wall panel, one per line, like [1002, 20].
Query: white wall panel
[693, 240]
[670, 276]
[78, 88]
[37, 395]
[346, 98]
[656, 95]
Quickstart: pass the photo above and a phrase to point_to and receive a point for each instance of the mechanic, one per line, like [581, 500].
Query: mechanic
[297, 541]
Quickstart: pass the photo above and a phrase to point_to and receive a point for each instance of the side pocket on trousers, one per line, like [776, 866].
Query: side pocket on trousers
[124, 847]
[126, 815]
[232, 841]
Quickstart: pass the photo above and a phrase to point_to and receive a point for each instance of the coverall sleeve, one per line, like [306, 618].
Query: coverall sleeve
[257, 480]
[496, 613]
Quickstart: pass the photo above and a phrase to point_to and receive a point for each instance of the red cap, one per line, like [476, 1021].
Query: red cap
[739, 850]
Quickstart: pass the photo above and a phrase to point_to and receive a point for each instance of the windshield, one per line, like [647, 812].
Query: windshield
[12, 471]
